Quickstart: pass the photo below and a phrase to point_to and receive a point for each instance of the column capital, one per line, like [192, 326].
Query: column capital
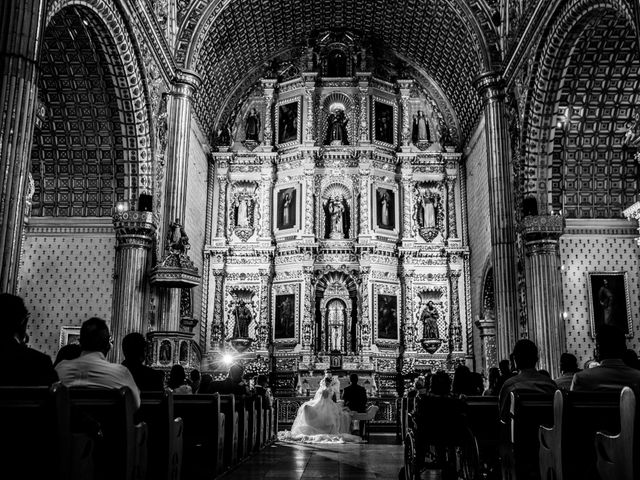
[134, 229]
[542, 227]
[490, 85]
[186, 82]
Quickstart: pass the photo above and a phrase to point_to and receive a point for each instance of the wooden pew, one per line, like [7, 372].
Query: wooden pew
[228, 408]
[519, 445]
[121, 448]
[37, 420]
[273, 421]
[243, 409]
[618, 456]
[165, 435]
[567, 448]
[257, 426]
[204, 434]
[407, 405]
[484, 422]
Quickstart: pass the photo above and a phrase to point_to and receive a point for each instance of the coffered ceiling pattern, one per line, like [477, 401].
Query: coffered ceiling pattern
[225, 41]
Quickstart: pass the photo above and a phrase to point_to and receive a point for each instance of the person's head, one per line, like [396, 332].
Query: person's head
[630, 358]
[525, 354]
[504, 367]
[94, 336]
[134, 347]
[440, 383]
[610, 342]
[568, 363]
[68, 352]
[177, 376]
[205, 382]
[353, 378]
[544, 372]
[194, 375]
[14, 317]
[418, 383]
[262, 380]
[494, 376]
[327, 373]
[327, 381]
[235, 372]
[462, 381]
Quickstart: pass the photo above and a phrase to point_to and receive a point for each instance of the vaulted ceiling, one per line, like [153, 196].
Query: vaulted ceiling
[226, 42]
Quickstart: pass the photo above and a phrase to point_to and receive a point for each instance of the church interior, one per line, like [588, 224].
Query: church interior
[386, 188]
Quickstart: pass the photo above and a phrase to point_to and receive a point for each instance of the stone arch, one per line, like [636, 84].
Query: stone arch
[547, 79]
[107, 23]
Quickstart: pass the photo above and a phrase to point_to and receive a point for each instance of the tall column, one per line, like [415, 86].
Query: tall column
[308, 209]
[310, 98]
[407, 206]
[487, 327]
[263, 333]
[217, 323]
[365, 203]
[20, 45]
[177, 158]
[455, 325]
[544, 288]
[268, 87]
[308, 308]
[408, 317]
[135, 232]
[365, 318]
[503, 232]
[267, 179]
[452, 228]
[363, 90]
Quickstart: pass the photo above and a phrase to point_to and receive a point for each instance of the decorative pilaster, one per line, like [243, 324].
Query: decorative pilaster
[309, 98]
[544, 288]
[177, 157]
[408, 318]
[223, 184]
[503, 241]
[365, 201]
[407, 206]
[267, 179]
[308, 168]
[20, 45]
[452, 227]
[308, 307]
[217, 324]
[405, 128]
[363, 90]
[268, 87]
[455, 325]
[365, 319]
[263, 331]
[135, 232]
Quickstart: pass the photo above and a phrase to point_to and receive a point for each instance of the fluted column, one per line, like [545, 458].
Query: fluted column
[135, 232]
[503, 235]
[177, 159]
[20, 45]
[544, 288]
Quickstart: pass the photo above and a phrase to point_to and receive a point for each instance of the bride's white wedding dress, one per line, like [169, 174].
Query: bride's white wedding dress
[321, 420]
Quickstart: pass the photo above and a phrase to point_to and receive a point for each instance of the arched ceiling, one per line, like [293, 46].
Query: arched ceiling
[231, 39]
[593, 175]
[78, 155]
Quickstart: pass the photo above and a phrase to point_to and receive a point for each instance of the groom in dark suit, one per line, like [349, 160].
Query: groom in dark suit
[355, 398]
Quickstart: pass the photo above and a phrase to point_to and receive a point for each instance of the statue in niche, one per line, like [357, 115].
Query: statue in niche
[335, 215]
[243, 318]
[177, 239]
[165, 352]
[421, 132]
[252, 126]
[337, 128]
[223, 136]
[429, 319]
[428, 217]
[242, 218]
[337, 64]
[335, 321]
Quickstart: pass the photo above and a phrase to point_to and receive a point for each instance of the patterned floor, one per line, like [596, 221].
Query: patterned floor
[379, 459]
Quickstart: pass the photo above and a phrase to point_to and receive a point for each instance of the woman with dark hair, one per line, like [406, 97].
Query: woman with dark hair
[206, 382]
[494, 382]
[463, 382]
[178, 380]
[68, 352]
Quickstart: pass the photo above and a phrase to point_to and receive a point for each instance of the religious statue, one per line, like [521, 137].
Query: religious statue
[223, 136]
[288, 124]
[421, 132]
[384, 123]
[429, 319]
[242, 219]
[286, 210]
[384, 207]
[335, 210]
[243, 319]
[605, 298]
[252, 126]
[335, 322]
[428, 212]
[177, 239]
[337, 128]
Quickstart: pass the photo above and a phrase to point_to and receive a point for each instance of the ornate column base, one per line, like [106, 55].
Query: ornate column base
[487, 327]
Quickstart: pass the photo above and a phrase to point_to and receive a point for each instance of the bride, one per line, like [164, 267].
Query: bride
[322, 420]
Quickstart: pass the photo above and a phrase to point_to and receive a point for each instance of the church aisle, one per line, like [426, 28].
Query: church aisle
[376, 460]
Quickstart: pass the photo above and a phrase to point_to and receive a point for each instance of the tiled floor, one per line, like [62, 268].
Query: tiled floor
[379, 459]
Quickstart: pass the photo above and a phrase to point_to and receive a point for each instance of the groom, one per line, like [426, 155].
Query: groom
[355, 399]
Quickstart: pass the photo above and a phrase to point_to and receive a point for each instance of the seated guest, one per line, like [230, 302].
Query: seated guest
[206, 382]
[630, 358]
[419, 387]
[528, 379]
[91, 368]
[177, 382]
[262, 389]
[68, 352]
[463, 382]
[134, 348]
[494, 378]
[194, 379]
[505, 373]
[21, 365]
[233, 384]
[355, 396]
[438, 418]
[568, 368]
[612, 373]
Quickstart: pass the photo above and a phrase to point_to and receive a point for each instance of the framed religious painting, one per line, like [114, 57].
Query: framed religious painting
[609, 301]
[286, 206]
[288, 122]
[385, 209]
[69, 335]
[386, 314]
[384, 113]
[284, 312]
